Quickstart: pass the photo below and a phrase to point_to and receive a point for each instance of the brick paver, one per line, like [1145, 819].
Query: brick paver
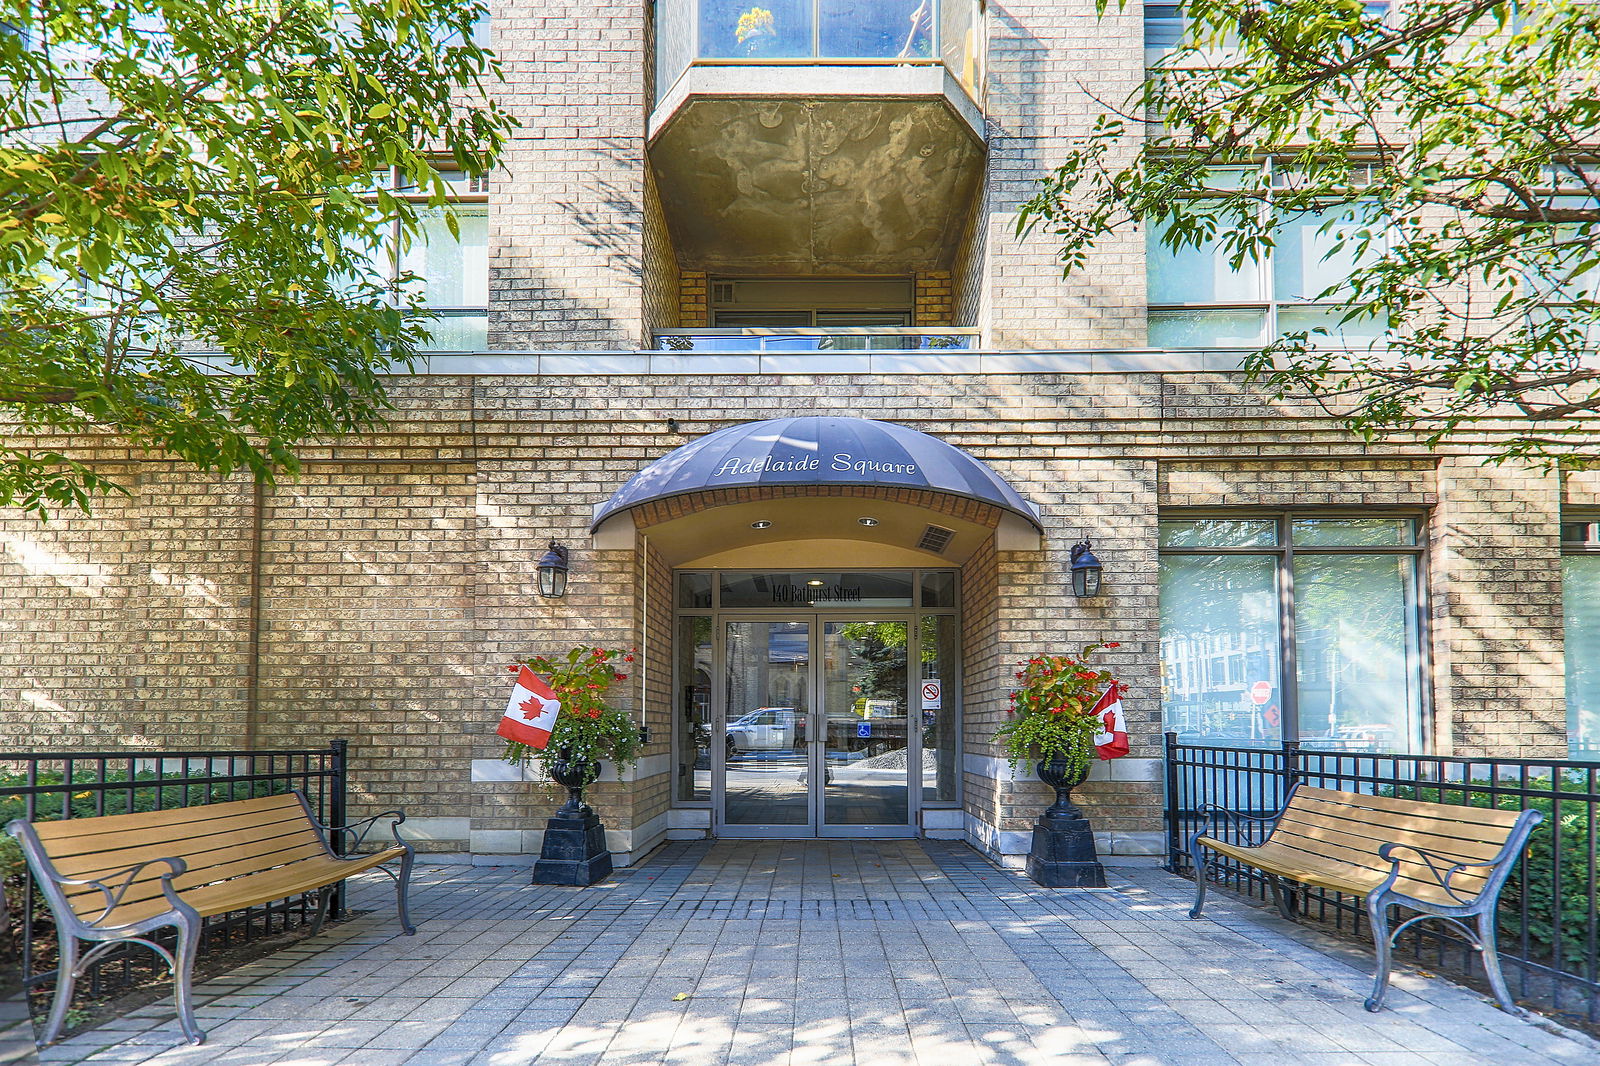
[768, 953]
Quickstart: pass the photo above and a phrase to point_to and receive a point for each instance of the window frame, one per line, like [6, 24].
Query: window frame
[1589, 546]
[469, 192]
[1285, 551]
[1269, 303]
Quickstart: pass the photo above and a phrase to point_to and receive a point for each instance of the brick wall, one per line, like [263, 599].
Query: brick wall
[396, 576]
[567, 226]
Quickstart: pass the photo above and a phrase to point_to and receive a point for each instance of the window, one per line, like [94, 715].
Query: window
[1329, 602]
[454, 274]
[1165, 26]
[1199, 300]
[1580, 596]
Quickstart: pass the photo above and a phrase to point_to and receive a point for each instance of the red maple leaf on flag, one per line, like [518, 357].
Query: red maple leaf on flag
[531, 708]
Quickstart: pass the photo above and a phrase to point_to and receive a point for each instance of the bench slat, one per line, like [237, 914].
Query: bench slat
[255, 889]
[198, 850]
[95, 839]
[112, 825]
[89, 900]
[1313, 828]
[1415, 878]
[1331, 874]
[1452, 812]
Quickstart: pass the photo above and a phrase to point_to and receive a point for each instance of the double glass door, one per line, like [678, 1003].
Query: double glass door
[819, 735]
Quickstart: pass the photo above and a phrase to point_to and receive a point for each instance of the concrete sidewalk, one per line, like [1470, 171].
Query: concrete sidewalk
[770, 953]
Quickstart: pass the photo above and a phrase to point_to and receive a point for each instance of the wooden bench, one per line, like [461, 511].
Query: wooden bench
[119, 878]
[1442, 860]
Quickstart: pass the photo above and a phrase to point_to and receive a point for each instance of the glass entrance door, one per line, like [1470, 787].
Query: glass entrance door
[767, 730]
[816, 735]
[869, 742]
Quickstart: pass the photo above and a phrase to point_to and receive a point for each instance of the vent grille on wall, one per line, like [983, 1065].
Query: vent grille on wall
[722, 292]
[936, 539]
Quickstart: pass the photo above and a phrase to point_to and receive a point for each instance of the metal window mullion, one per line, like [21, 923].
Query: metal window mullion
[1289, 687]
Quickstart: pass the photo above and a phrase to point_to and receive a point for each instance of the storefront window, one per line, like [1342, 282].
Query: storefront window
[939, 699]
[1580, 587]
[1336, 597]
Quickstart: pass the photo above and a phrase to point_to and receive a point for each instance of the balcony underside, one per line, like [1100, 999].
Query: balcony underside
[817, 183]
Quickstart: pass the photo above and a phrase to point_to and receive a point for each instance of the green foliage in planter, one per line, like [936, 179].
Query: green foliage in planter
[588, 729]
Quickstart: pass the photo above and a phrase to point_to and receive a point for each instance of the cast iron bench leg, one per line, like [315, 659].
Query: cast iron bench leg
[1378, 915]
[66, 977]
[402, 888]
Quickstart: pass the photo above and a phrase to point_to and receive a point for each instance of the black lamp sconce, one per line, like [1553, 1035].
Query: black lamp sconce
[1085, 571]
[552, 571]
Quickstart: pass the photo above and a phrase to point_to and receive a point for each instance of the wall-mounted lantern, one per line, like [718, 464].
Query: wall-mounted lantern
[552, 572]
[1085, 570]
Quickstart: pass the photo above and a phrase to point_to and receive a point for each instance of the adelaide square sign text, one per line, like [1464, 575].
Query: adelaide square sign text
[840, 463]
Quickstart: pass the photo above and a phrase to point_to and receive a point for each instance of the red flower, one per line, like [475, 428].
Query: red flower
[620, 677]
[513, 668]
[595, 713]
[1113, 644]
[628, 658]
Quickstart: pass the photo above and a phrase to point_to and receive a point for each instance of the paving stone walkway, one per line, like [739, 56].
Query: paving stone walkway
[775, 953]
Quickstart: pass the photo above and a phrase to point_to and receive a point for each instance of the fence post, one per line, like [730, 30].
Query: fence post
[340, 749]
[1174, 842]
[1291, 766]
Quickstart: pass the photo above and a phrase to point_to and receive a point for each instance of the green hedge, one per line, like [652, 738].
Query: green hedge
[1533, 879]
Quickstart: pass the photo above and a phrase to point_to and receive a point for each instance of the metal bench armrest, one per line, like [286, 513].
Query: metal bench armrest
[1211, 813]
[1443, 868]
[113, 886]
[364, 826]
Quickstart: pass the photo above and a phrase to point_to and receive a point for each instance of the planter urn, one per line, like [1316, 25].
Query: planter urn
[574, 851]
[1062, 854]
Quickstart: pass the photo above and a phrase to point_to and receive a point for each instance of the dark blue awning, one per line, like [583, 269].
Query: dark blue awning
[817, 451]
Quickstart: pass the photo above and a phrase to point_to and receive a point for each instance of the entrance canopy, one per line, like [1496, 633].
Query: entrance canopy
[844, 453]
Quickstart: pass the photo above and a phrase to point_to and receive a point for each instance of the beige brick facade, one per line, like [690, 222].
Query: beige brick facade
[380, 595]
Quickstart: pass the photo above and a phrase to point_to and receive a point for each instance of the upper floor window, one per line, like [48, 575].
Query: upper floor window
[1165, 26]
[1580, 597]
[1296, 626]
[452, 268]
[1199, 299]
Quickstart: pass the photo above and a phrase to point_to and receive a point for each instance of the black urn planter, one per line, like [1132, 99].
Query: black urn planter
[1063, 855]
[574, 851]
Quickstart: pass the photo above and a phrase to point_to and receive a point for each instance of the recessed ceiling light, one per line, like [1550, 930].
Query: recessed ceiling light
[814, 583]
[867, 521]
[762, 524]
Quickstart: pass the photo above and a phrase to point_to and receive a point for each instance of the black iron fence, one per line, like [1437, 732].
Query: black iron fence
[1549, 927]
[46, 786]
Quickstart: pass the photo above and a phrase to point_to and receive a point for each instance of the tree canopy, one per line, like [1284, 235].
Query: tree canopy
[1441, 157]
[182, 177]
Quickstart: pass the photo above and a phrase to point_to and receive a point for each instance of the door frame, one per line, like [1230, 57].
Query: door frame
[913, 734]
[816, 826]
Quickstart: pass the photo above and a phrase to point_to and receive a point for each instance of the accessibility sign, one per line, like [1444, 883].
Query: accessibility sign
[863, 729]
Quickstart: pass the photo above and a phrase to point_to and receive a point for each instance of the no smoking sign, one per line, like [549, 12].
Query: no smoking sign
[932, 695]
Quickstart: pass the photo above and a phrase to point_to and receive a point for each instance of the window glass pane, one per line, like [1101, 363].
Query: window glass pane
[457, 332]
[1353, 532]
[875, 29]
[1576, 532]
[1357, 668]
[821, 589]
[694, 590]
[1207, 329]
[453, 273]
[1361, 332]
[941, 711]
[1307, 259]
[692, 721]
[1219, 640]
[938, 588]
[1197, 275]
[1219, 532]
[742, 29]
[1581, 599]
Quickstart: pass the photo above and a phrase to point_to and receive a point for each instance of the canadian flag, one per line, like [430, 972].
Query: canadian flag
[531, 714]
[1112, 742]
